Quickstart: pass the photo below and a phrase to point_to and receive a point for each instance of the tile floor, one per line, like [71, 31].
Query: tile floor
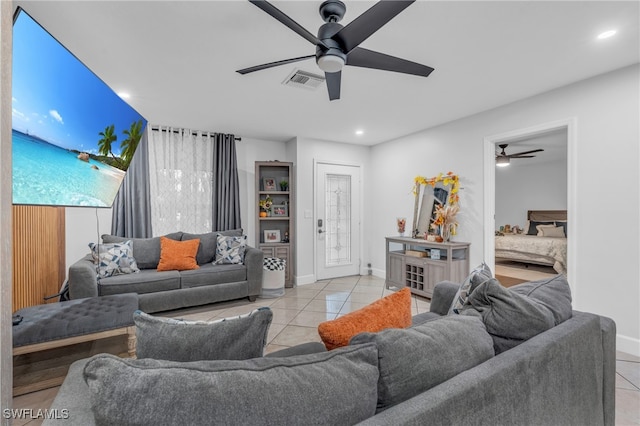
[297, 314]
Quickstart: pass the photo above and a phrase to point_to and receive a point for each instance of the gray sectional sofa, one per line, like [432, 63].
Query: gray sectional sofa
[168, 290]
[440, 371]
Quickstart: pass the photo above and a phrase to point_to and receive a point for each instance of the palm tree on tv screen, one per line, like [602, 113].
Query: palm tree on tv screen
[129, 145]
[108, 137]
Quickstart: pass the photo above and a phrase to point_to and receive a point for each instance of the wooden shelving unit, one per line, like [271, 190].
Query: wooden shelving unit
[284, 223]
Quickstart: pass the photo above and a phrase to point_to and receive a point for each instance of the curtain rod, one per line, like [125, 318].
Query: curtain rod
[158, 129]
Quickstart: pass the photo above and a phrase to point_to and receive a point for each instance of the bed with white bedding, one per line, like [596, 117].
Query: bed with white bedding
[543, 241]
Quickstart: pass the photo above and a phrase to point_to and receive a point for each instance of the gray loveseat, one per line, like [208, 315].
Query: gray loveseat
[562, 376]
[168, 290]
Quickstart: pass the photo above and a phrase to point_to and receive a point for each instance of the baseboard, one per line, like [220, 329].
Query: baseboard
[380, 273]
[305, 279]
[628, 345]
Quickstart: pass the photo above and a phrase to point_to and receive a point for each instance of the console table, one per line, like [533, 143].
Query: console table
[420, 264]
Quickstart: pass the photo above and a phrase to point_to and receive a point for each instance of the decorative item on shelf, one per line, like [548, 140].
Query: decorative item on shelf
[269, 184]
[271, 235]
[265, 206]
[401, 222]
[281, 210]
[416, 253]
[445, 220]
[285, 239]
[284, 185]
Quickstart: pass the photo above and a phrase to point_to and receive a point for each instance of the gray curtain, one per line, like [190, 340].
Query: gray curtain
[226, 189]
[131, 214]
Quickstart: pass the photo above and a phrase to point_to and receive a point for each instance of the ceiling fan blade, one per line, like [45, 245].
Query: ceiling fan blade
[286, 20]
[526, 152]
[333, 80]
[365, 58]
[273, 64]
[521, 156]
[369, 22]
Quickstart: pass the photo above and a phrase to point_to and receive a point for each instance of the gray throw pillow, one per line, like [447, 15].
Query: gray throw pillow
[146, 251]
[514, 315]
[333, 388]
[479, 275]
[208, 243]
[416, 359]
[240, 337]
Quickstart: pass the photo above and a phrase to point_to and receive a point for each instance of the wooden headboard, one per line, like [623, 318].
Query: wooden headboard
[544, 215]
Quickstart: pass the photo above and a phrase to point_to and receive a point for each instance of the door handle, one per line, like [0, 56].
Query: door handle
[320, 231]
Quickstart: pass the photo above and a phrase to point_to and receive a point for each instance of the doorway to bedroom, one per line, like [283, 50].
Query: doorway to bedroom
[527, 236]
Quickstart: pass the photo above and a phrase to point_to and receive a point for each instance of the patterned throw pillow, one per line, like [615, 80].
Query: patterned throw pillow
[113, 259]
[230, 249]
[478, 276]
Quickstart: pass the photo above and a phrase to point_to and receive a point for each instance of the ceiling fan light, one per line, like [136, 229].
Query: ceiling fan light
[502, 161]
[331, 63]
[606, 34]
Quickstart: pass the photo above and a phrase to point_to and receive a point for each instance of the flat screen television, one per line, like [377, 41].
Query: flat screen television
[73, 137]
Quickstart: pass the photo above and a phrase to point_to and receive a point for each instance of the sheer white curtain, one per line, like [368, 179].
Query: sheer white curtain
[180, 180]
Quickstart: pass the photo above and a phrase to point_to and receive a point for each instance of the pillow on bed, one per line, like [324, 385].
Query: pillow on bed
[531, 227]
[541, 228]
[563, 224]
[551, 231]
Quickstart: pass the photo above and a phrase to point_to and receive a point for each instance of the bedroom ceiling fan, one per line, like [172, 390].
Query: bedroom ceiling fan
[503, 159]
[337, 45]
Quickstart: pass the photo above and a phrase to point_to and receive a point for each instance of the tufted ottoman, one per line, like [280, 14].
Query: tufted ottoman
[67, 323]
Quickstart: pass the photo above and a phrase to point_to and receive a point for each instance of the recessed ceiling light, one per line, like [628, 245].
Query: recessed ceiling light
[124, 95]
[606, 34]
[359, 132]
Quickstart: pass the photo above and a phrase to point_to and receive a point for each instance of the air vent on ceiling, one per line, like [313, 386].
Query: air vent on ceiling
[303, 79]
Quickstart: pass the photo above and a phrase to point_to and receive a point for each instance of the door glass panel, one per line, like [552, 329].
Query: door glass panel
[338, 219]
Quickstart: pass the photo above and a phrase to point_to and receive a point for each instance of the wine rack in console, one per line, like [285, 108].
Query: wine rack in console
[420, 264]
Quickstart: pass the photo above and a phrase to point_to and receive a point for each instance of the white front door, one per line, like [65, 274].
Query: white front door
[337, 220]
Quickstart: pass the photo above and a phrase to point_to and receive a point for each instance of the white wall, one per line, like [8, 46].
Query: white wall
[607, 112]
[84, 225]
[306, 151]
[526, 186]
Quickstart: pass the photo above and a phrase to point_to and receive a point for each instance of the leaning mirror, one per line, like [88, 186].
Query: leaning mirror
[429, 194]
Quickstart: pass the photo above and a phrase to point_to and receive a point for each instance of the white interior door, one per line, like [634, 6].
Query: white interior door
[337, 220]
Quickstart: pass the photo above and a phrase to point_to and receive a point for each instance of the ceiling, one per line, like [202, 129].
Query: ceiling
[177, 59]
[554, 143]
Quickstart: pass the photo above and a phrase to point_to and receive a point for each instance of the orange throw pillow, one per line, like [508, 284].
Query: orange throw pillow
[178, 255]
[393, 311]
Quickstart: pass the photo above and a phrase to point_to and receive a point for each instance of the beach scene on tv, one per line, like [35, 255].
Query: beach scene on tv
[73, 137]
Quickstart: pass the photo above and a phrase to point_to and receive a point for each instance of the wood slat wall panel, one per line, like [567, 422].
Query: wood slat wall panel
[38, 254]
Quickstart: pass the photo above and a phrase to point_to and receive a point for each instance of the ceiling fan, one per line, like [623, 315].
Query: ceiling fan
[503, 159]
[337, 45]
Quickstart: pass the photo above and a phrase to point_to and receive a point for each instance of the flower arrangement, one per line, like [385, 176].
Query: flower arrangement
[445, 220]
[265, 204]
[449, 179]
